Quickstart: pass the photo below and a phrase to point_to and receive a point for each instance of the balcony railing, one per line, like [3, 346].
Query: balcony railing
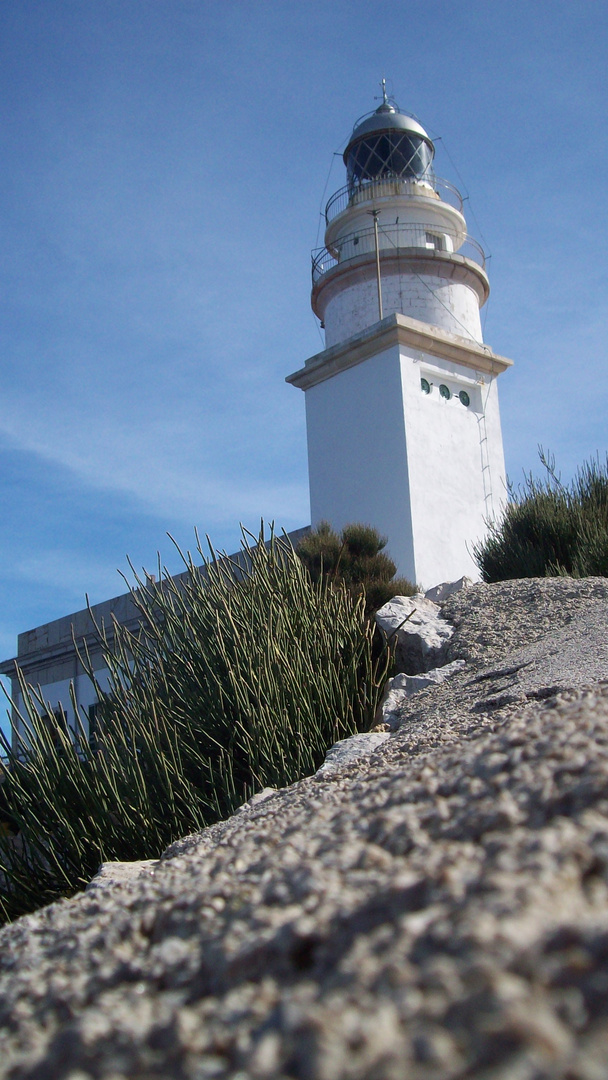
[392, 185]
[419, 237]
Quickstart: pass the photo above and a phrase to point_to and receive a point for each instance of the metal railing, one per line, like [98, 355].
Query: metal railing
[419, 237]
[392, 185]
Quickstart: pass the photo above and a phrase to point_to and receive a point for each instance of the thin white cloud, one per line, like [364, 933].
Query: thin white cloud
[170, 473]
[71, 571]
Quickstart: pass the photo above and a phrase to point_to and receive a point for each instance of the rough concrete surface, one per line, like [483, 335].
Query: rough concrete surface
[402, 686]
[116, 873]
[351, 749]
[437, 910]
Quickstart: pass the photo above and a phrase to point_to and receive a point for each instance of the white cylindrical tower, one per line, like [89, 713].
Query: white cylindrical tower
[429, 268]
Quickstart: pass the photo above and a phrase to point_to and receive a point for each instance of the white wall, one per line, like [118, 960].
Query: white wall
[398, 219]
[352, 307]
[357, 453]
[57, 693]
[456, 465]
[415, 466]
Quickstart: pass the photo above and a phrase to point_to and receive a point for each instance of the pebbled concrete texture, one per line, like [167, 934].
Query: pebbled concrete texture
[491, 619]
[116, 873]
[352, 749]
[436, 910]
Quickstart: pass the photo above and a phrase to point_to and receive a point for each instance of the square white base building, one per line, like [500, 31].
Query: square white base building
[404, 434]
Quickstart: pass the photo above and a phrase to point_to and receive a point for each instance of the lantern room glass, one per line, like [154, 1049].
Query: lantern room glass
[388, 154]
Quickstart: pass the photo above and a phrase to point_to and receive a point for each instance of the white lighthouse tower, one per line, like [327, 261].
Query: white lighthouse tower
[402, 405]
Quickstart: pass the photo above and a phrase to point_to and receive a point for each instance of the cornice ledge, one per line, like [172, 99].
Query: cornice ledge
[398, 329]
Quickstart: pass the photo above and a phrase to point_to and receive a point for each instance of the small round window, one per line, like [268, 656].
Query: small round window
[445, 392]
[425, 386]
[464, 397]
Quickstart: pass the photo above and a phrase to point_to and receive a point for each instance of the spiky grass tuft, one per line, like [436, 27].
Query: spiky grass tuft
[240, 677]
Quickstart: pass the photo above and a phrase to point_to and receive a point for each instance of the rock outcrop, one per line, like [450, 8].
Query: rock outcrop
[390, 710]
[435, 910]
[421, 633]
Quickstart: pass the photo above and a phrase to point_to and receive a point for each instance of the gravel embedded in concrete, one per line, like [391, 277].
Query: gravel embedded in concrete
[438, 910]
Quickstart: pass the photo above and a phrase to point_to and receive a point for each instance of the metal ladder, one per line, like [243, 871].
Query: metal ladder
[485, 461]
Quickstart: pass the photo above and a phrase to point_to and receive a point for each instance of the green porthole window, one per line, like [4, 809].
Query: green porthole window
[445, 392]
[425, 386]
[464, 397]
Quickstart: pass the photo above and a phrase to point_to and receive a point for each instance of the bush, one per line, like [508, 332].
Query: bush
[355, 559]
[549, 528]
[241, 676]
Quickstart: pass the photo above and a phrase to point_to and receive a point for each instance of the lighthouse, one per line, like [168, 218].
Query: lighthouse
[402, 414]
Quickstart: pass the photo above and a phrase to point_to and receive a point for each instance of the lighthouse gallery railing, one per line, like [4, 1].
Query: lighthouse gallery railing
[420, 238]
[384, 187]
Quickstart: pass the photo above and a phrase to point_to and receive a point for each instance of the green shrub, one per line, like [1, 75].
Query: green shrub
[550, 528]
[240, 678]
[355, 559]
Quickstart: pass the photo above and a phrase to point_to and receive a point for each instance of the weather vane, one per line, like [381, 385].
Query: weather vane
[385, 100]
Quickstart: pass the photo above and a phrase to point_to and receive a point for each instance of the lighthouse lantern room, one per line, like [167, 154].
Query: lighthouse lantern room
[402, 406]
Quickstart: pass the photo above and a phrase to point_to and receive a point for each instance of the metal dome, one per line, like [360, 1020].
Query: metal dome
[387, 118]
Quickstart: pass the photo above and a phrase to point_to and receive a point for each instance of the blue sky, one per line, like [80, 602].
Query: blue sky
[163, 166]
